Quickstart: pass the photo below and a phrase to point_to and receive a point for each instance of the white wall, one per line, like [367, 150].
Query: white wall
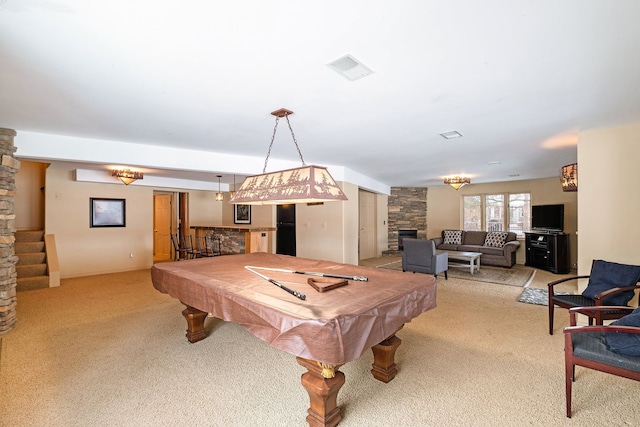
[204, 209]
[329, 231]
[87, 251]
[84, 251]
[608, 198]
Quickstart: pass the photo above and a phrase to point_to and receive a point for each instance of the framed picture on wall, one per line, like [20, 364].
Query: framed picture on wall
[107, 212]
[242, 214]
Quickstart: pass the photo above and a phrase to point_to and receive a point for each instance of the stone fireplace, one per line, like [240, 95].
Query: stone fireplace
[403, 234]
[407, 215]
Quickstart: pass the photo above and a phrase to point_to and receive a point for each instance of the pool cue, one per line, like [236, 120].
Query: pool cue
[278, 284]
[312, 273]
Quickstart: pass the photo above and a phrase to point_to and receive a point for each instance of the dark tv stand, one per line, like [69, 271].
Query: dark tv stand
[548, 250]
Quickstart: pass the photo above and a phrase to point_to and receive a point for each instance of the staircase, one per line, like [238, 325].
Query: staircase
[32, 264]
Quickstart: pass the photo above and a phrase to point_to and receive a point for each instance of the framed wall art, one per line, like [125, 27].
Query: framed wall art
[107, 212]
[242, 214]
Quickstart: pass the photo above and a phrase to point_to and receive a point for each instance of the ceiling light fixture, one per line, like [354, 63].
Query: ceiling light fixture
[306, 184]
[457, 182]
[219, 195]
[569, 177]
[127, 175]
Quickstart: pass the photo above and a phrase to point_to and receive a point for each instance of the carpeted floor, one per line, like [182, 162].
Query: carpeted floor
[110, 350]
[518, 275]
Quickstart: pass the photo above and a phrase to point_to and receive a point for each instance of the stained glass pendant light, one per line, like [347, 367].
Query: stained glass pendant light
[305, 184]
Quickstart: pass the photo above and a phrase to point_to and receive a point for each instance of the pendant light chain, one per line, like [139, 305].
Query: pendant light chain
[303, 184]
[273, 137]
[294, 141]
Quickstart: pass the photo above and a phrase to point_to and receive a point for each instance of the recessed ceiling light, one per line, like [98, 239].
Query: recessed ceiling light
[451, 134]
[350, 67]
[494, 163]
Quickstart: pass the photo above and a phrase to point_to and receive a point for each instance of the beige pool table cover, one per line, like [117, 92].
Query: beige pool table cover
[333, 327]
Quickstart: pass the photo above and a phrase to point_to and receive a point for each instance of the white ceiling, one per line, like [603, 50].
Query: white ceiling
[518, 79]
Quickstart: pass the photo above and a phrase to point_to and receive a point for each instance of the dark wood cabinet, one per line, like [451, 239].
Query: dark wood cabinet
[548, 251]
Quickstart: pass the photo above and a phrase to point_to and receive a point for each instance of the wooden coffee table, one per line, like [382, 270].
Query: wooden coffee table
[472, 258]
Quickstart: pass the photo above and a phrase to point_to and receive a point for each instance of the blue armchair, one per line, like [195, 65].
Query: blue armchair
[610, 283]
[614, 349]
[419, 255]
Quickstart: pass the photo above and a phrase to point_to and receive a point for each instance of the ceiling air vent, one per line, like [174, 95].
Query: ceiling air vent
[350, 67]
[451, 134]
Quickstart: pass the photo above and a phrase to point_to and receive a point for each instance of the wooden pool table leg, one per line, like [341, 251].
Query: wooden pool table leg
[195, 323]
[384, 367]
[323, 385]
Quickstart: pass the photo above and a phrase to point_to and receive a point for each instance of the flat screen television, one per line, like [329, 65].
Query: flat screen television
[547, 217]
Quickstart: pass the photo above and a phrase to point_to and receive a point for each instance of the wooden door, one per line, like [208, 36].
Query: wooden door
[367, 233]
[161, 227]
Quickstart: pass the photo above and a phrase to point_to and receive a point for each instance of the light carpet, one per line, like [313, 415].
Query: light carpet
[517, 275]
[110, 350]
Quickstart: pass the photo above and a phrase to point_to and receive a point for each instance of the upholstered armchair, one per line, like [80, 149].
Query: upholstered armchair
[419, 255]
[610, 283]
[614, 349]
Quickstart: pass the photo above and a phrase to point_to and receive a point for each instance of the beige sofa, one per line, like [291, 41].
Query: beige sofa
[497, 247]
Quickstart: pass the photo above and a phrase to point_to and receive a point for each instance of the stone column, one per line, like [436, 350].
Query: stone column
[408, 211]
[8, 277]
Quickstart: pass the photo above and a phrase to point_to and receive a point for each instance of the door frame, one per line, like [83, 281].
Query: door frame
[179, 215]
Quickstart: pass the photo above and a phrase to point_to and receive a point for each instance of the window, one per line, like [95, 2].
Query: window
[494, 211]
[472, 214]
[489, 212]
[520, 213]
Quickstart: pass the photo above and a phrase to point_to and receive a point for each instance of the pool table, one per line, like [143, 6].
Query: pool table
[324, 330]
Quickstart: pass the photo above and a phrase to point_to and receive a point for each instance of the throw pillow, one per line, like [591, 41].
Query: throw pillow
[622, 343]
[496, 239]
[606, 275]
[452, 237]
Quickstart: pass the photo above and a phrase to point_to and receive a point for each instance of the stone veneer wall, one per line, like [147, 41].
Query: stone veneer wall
[8, 277]
[407, 211]
[231, 242]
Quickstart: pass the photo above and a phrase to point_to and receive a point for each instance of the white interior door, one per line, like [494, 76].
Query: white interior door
[367, 235]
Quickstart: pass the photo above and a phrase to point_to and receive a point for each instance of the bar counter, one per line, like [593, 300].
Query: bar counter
[239, 239]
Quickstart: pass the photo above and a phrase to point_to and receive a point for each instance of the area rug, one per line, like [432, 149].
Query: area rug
[517, 275]
[537, 296]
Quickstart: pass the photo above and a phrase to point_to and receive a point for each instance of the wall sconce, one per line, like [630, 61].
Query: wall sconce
[219, 195]
[127, 175]
[457, 182]
[306, 184]
[569, 177]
